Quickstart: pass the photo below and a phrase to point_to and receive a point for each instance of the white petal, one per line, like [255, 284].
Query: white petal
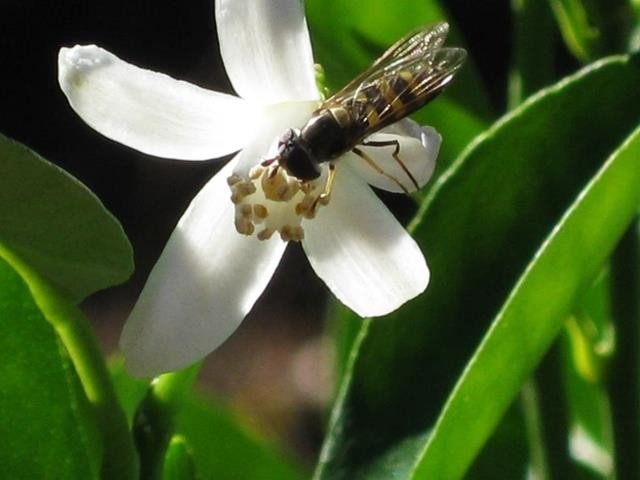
[418, 150]
[363, 254]
[277, 119]
[150, 111]
[266, 49]
[205, 282]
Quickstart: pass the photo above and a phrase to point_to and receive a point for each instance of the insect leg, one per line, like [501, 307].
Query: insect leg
[396, 157]
[328, 186]
[377, 167]
[323, 198]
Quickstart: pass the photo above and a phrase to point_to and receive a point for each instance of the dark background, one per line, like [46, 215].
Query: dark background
[275, 366]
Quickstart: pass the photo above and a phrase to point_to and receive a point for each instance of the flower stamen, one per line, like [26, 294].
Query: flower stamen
[269, 200]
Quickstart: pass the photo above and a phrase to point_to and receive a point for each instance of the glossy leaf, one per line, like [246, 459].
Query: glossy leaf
[479, 229]
[55, 224]
[525, 327]
[47, 430]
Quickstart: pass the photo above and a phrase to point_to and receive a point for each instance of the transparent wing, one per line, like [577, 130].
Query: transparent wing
[408, 75]
[410, 84]
[392, 90]
[416, 43]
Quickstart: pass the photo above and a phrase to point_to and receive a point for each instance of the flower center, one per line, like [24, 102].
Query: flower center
[270, 200]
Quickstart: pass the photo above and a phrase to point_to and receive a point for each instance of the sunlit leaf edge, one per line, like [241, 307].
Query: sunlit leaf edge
[105, 256]
[453, 416]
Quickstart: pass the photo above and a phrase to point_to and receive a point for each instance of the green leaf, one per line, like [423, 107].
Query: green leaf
[55, 224]
[224, 448]
[220, 445]
[591, 438]
[553, 416]
[525, 327]
[479, 229]
[178, 464]
[623, 384]
[593, 28]
[47, 430]
[580, 35]
[79, 341]
[129, 390]
[348, 36]
[154, 423]
[590, 332]
[533, 46]
[509, 444]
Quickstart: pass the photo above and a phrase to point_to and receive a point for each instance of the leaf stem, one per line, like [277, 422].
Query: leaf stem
[624, 384]
[580, 36]
[76, 334]
[154, 421]
[529, 402]
[552, 404]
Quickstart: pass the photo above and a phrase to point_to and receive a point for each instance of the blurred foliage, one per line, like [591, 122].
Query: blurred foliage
[219, 444]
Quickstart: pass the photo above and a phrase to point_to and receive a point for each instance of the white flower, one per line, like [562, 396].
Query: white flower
[209, 276]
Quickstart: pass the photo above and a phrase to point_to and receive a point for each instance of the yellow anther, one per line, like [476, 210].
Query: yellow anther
[307, 187]
[286, 233]
[269, 200]
[236, 198]
[246, 210]
[244, 226]
[265, 234]
[260, 211]
[297, 233]
[233, 179]
[255, 172]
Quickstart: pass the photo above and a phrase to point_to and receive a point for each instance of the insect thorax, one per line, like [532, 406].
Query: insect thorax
[327, 134]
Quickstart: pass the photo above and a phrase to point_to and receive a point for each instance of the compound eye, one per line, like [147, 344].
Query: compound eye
[286, 137]
[299, 162]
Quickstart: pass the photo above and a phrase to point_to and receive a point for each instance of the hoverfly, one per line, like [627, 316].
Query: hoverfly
[408, 75]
